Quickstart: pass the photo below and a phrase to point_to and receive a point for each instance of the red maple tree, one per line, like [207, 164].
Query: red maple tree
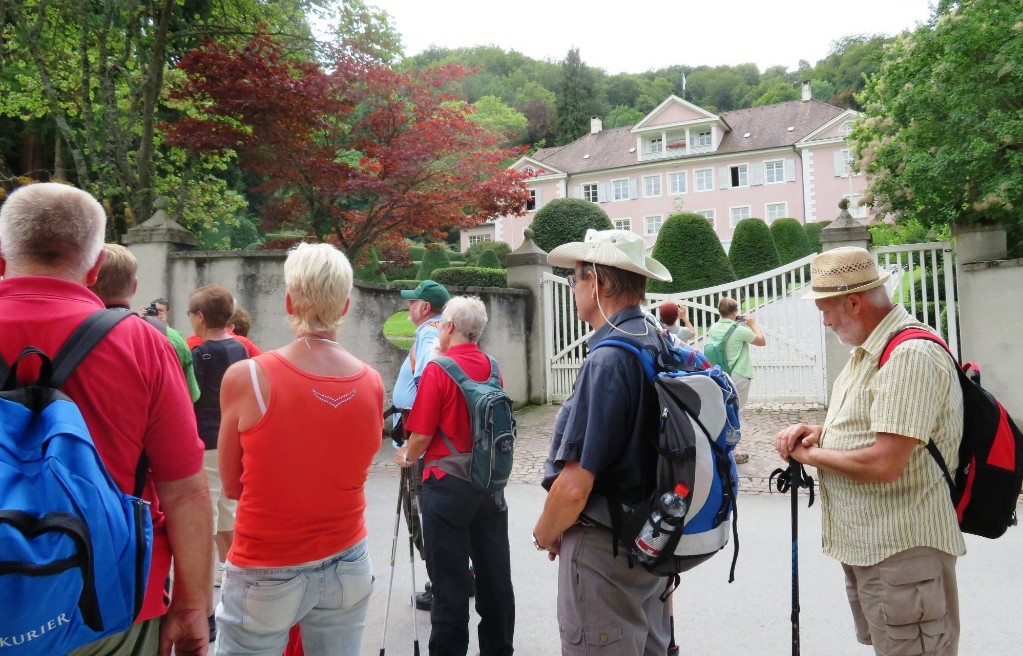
[356, 154]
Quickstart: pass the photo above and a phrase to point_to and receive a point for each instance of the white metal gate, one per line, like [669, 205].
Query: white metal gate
[789, 369]
[923, 281]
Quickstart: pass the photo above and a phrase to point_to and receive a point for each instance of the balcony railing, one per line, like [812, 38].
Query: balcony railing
[673, 153]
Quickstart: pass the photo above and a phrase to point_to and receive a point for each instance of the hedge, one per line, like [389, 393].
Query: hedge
[813, 234]
[471, 276]
[436, 257]
[688, 246]
[416, 253]
[472, 254]
[370, 270]
[489, 260]
[752, 250]
[790, 240]
[567, 219]
[402, 272]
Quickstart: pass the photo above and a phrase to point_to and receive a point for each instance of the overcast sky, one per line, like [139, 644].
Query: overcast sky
[633, 37]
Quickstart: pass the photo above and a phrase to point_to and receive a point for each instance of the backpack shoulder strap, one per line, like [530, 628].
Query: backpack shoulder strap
[729, 332]
[646, 357]
[81, 342]
[905, 335]
[495, 375]
[452, 369]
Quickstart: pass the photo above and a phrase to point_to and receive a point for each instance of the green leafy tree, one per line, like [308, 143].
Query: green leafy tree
[688, 246]
[435, 257]
[942, 136]
[567, 219]
[752, 250]
[575, 99]
[790, 240]
[622, 116]
[493, 114]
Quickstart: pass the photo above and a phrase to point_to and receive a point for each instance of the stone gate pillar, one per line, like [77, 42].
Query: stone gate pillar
[152, 243]
[525, 267]
[843, 231]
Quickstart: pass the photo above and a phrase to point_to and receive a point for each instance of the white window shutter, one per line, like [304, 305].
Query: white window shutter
[578, 191]
[839, 164]
[724, 178]
[633, 188]
[756, 174]
[601, 192]
[790, 170]
[539, 198]
[561, 189]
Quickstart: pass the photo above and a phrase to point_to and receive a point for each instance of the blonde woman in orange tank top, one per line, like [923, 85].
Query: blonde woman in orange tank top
[300, 427]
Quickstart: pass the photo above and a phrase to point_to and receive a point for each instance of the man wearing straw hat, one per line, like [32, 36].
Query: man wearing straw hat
[601, 443]
[887, 515]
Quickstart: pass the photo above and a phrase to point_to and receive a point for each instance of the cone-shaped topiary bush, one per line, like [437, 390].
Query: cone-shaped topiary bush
[369, 270]
[813, 234]
[472, 254]
[567, 219]
[435, 257]
[790, 240]
[752, 250]
[489, 260]
[688, 246]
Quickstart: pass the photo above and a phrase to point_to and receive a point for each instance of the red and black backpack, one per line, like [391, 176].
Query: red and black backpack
[988, 479]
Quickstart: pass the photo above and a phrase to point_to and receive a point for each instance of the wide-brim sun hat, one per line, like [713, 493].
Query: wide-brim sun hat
[844, 271]
[621, 249]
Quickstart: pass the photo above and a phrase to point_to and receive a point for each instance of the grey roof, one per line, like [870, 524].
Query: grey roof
[767, 125]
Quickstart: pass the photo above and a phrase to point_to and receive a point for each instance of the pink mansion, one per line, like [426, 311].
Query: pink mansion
[785, 160]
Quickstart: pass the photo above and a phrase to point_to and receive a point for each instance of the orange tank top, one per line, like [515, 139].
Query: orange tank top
[304, 466]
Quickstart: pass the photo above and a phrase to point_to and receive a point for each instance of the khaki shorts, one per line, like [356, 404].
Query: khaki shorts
[223, 508]
[906, 605]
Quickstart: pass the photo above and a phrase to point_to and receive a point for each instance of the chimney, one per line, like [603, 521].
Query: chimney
[596, 125]
[807, 91]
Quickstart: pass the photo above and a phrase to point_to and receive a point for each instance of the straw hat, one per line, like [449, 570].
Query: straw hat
[844, 271]
[621, 249]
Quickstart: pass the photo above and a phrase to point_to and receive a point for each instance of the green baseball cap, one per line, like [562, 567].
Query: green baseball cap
[432, 292]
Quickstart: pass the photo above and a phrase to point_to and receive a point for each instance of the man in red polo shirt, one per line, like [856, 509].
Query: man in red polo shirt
[132, 394]
[459, 521]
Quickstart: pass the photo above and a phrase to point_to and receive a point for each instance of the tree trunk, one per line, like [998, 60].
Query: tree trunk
[152, 85]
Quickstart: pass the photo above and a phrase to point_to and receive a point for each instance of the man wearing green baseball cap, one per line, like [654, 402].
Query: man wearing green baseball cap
[425, 304]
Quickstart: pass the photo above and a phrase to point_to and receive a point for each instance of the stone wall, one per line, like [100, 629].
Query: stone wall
[257, 281]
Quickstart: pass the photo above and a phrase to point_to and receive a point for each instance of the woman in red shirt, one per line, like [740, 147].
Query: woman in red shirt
[300, 427]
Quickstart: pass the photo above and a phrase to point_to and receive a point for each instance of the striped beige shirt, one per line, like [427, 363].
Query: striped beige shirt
[916, 394]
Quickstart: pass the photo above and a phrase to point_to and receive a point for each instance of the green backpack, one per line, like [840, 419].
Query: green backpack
[489, 463]
[714, 350]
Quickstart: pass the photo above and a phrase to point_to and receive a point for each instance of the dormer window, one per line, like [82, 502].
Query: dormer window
[528, 169]
[846, 128]
[703, 138]
[656, 145]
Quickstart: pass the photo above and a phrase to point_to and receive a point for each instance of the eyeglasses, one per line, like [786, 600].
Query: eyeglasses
[572, 279]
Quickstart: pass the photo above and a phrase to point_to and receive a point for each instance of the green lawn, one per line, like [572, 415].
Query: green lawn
[399, 330]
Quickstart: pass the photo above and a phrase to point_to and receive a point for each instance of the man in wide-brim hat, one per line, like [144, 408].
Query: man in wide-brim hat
[887, 515]
[601, 441]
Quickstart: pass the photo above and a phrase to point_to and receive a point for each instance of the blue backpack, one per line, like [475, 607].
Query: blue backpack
[698, 429]
[76, 550]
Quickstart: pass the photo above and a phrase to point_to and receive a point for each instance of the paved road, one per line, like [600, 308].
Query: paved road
[749, 617]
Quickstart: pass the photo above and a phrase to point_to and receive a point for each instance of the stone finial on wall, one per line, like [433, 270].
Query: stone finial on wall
[160, 228]
[845, 230]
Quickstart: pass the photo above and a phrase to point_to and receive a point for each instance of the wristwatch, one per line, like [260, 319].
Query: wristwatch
[537, 545]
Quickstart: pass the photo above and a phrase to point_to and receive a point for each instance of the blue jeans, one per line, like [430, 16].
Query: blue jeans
[328, 598]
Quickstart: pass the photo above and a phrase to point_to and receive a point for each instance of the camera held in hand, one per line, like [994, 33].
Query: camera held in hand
[741, 318]
[151, 311]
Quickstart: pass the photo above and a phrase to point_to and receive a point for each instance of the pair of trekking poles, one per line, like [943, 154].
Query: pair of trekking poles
[406, 491]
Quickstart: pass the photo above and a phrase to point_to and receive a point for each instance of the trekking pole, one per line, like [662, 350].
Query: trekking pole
[413, 507]
[790, 480]
[390, 583]
[672, 647]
